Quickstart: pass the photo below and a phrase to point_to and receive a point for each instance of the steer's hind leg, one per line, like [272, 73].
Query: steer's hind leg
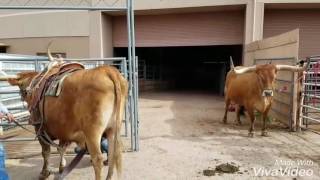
[62, 151]
[252, 118]
[110, 136]
[238, 109]
[226, 111]
[45, 154]
[93, 145]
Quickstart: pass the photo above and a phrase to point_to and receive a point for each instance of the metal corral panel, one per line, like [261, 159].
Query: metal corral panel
[281, 21]
[193, 29]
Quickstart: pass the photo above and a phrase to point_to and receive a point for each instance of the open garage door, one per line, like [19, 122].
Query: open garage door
[185, 29]
[191, 68]
[281, 49]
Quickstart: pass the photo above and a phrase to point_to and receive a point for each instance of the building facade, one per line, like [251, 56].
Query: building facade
[161, 23]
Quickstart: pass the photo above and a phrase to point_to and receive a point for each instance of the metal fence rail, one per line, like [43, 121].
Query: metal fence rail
[111, 5]
[126, 6]
[310, 96]
[11, 98]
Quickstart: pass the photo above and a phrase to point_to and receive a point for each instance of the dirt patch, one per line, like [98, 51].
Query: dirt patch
[222, 168]
[182, 136]
[227, 168]
[209, 172]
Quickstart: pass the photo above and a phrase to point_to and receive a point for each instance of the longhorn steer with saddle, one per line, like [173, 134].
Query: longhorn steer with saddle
[90, 103]
[253, 88]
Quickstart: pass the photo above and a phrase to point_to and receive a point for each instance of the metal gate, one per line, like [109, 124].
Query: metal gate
[11, 64]
[96, 5]
[310, 96]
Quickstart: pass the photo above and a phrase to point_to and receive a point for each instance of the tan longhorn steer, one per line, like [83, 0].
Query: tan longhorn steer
[252, 87]
[91, 103]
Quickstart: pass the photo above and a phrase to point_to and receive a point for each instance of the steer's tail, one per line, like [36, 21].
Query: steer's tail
[116, 159]
[231, 63]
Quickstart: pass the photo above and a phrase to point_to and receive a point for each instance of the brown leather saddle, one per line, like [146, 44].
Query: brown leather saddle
[46, 80]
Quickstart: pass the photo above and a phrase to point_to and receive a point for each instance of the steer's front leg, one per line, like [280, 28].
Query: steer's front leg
[264, 131]
[45, 154]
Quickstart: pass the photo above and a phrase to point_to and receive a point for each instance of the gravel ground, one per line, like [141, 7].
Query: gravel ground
[181, 135]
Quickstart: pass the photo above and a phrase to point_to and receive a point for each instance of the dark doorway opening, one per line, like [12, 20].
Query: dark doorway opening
[3, 49]
[186, 68]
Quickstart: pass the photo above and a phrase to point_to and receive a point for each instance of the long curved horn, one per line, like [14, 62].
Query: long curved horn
[231, 63]
[293, 68]
[5, 78]
[241, 70]
[49, 52]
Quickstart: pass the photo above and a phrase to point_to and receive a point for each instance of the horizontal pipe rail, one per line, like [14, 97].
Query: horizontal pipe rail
[65, 8]
[45, 59]
[310, 118]
[311, 72]
[17, 108]
[312, 84]
[315, 57]
[311, 107]
[18, 139]
[13, 124]
[9, 92]
[310, 95]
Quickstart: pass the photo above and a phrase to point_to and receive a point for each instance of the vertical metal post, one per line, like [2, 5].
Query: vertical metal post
[134, 74]
[136, 88]
[131, 100]
[36, 65]
[125, 72]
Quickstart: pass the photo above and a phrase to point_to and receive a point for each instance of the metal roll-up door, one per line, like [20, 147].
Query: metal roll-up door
[280, 21]
[192, 29]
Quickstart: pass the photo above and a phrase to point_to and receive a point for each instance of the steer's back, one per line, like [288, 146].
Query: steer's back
[240, 88]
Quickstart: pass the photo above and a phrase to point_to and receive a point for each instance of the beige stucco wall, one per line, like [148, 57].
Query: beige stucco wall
[41, 24]
[74, 47]
[44, 24]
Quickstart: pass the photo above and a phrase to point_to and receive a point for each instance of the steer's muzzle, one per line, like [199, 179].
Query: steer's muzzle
[267, 93]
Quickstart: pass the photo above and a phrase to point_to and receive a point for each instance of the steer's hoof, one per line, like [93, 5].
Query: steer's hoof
[61, 168]
[44, 175]
[264, 133]
[105, 162]
[239, 123]
[251, 134]
[224, 121]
